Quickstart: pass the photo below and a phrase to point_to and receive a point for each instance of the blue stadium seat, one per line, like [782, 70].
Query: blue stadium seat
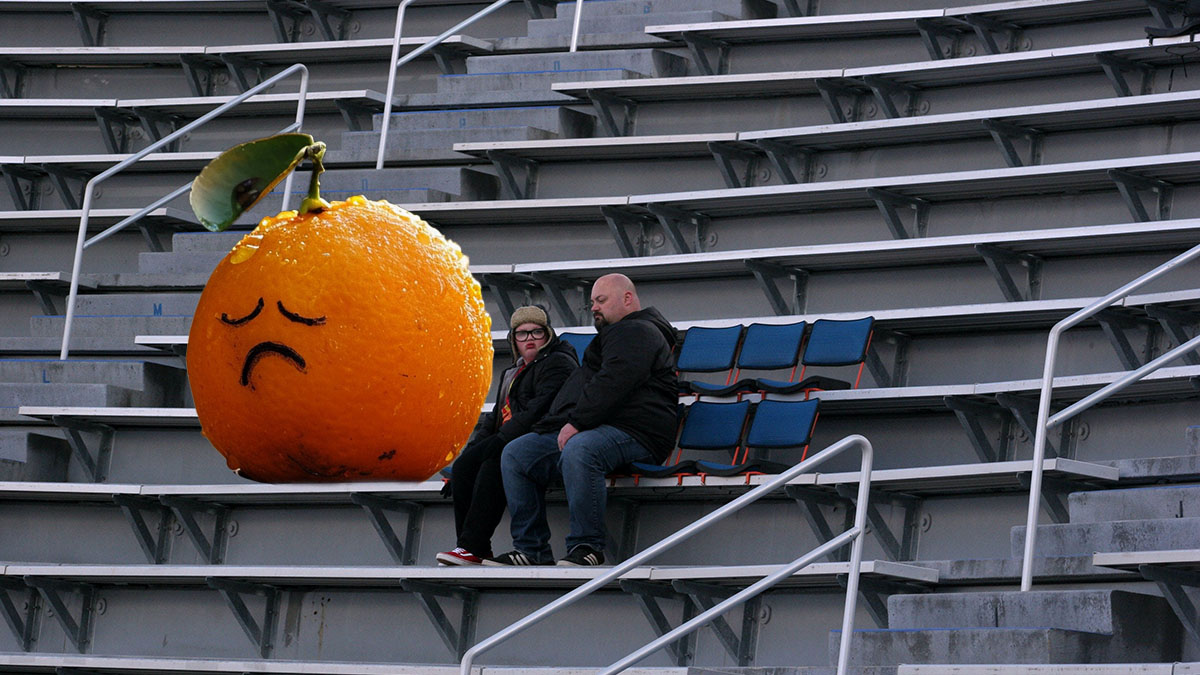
[708, 350]
[765, 347]
[776, 425]
[830, 343]
[579, 341]
[707, 426]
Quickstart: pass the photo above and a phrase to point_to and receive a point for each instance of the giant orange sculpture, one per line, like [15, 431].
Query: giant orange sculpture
[343, 342]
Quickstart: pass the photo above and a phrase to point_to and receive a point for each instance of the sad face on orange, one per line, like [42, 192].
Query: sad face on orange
[348, 344]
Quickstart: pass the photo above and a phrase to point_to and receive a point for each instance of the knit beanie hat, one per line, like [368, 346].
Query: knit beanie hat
[528, 314]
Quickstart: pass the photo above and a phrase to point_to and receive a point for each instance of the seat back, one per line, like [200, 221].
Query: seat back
[714, 426]
[708, 350]
[771, 346]
[782, 424]
[579, 341]
[838, 343]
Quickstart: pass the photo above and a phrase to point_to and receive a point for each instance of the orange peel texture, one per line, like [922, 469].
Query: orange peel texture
[346, 345]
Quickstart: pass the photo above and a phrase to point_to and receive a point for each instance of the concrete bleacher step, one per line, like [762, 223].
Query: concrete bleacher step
[1144, 503]
[125, 325]
[1067, 626]
[432, 144]
[564, 121]
[159, 384]
[1160, 534]
[527, 80]
[618, 23]
[15, 394]
[446, 183]
[647, 62]
[26, 456]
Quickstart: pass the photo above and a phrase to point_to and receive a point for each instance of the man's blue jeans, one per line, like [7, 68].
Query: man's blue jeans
[531, 462]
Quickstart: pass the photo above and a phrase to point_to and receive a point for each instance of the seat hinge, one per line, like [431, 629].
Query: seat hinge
[781, 155]
[931, 34]
[725, 152]
[971, 414]
[648, 593]
[1005, 133]
[91, 23]
[1172, 583]
[698, 44]
[769, 274]
[185, 510]
[459, 640]
[518, 175]
[605, 103]
[96, 465]
[740, 647]
[79, 630]
[556, 288]
[157, 544]
[997, 260]
[671, 218]
[875, 592]
[1172, 322]
[889, 204]
[618, 220]
[1115, 68]
[810, 501]
[402, 553]
[20, 615]
[1129, 183]
[904, 546]
[261, 634]
[885, 91]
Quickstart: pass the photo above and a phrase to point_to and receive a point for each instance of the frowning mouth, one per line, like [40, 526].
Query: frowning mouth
[262, 349]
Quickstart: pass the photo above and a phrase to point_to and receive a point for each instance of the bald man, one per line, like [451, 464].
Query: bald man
[618, 407]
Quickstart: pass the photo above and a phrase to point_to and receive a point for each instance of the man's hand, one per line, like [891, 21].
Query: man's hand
[565, 435]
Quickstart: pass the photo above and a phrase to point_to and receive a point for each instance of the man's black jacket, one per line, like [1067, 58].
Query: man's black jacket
[627, 380]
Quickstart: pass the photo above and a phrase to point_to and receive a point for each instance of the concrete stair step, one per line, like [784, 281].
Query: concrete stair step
[154, 304]
[1123, 535]
[113, 326]
[620, 23]
[1048, 669]
[26, 456]
[648, 62]
[204, 242]
[462, 182]
[1092, 611]
[132, 374]
[15, 394]
[534, 80]
[734, 8]
[543, 116]
[364, 145]
[484, 99]
[1145, 503]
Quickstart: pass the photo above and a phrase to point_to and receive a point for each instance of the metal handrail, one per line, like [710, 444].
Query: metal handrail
[82, 242]
[1045, 421]
[853, 533]
[396, 61]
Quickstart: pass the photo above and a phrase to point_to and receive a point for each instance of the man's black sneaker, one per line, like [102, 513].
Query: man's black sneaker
[582, 556]
[512, 559]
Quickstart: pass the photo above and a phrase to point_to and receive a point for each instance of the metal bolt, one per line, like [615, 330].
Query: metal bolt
[763, 175]
[1083, 430]
[870, 110]
[923, 108]
[764, 614]
[969, 51]
[710, 239]
[4, 249]
[926, 522]
[820, 170]
[309, 28]
[1025, 45]
[1022, 435]
[177, 528]
[355, 26]
[101, 606]
[657, 240]
[232, 528]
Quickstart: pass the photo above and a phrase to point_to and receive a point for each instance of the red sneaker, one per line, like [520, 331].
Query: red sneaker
[459, 556]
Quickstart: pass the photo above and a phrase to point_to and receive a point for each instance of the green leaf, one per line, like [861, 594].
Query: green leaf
[240, 176]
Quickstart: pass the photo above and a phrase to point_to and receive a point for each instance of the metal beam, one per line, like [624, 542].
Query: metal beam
[889, 202]
[185, 510]
[683, 650]
[510, 168]
[96, 465]
[78, 630]
[155, 545]
[969, 414]
[1129, 183]
[261, 634]
[457, 640]
[402, 553]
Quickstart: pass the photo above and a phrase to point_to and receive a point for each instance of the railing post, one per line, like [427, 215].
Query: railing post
[575, 27]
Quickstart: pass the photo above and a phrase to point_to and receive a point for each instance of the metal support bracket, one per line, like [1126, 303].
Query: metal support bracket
[987, 29]
[739, 647]
[1005, 133]
[185, 511]
[90, 22]
[114, 128]
[23, 185]
[323, 12]
[155, 544]
[781, 156]
[537, 8]
[1115, 68]
[151, 236]
[626, 545]
[768, 275]
[931, 31]
[810, 501]
[402, 553]
[898, 375]
[1115, 326]
[1024, 413]
[725, 153]
[618, 219]
[885, 91]
[285, 19]
[1172, 322]
[45, 293]
[832, 93]
[671, 218]
[1129, 183]
[970, 415]
[458, 641]
[511, 169]
[78, 630]
[875, 593]
[698, 44]
[356, 115]
[556, 288]
[240, 67]
[61, 177]
[20, 615]
[152, 122]
[1172, 583]
[793, 7]
[605, 103]
[450, 61]
[261, 634]
[1161, 11]
[12, 79]
[997, 260]
[889, 202]
[96, 465]
[904, 546]
[503, 287]
[1054, 495]
[200, 73]
[648, 593]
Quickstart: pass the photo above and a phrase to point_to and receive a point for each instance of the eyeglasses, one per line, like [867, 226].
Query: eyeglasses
[536, 334]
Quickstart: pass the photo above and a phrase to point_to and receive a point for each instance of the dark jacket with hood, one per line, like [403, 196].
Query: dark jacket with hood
[627, 380]
[530, 391]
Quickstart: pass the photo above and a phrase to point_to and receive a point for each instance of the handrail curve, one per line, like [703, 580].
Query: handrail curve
[854, 533]
[1044, 420]
[82, 242]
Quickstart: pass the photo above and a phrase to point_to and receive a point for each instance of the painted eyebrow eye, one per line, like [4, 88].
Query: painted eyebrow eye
[292, 316]
[245, 319]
